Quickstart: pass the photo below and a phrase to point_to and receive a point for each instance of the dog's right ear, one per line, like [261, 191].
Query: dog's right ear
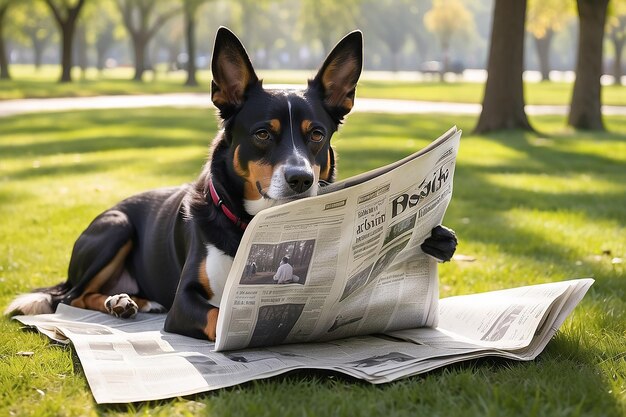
[232, 73]
[336, 80]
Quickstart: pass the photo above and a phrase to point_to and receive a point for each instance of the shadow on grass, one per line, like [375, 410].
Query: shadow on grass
[543, 387]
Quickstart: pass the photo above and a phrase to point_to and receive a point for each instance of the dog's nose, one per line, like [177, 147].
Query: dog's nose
[299, 178]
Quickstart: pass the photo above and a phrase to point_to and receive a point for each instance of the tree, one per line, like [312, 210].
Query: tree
[66, 17]
[586, 107]
[503, 101]
[190, 11]
[34, 27]
[142, 19]
[327, 20]
[4, 60]
[545, 18]
[170, 39]
[616, 30]
[388, 20]
[104, 25]
[447, 19]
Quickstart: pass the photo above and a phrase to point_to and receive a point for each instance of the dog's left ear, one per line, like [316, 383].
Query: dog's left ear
[336, 80]
[232, 72]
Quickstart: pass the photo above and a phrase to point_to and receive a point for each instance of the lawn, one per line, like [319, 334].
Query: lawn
[28, 83]
[530, 208]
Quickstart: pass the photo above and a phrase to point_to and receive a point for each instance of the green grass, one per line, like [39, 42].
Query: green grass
[29, 83]
[530, 208]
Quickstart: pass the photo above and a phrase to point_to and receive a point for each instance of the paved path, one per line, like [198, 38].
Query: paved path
[203, 100]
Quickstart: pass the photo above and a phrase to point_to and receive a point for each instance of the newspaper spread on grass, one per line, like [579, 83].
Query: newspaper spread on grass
[344, 263]
[135, 360]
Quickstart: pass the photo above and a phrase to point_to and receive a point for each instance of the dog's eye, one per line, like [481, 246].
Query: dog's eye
[262, 134]
[317, 136]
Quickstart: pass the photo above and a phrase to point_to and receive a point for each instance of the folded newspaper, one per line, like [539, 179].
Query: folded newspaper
[358, 290]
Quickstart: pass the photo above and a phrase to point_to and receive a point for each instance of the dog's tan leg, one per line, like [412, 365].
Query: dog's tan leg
[147, 306]
[211, 323]
[91, 298]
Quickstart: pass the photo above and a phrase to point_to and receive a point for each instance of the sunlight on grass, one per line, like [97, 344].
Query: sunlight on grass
[582, 184]
[529, 208]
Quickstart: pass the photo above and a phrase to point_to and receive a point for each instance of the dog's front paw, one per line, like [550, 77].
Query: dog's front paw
[121, 305]
[441, 244]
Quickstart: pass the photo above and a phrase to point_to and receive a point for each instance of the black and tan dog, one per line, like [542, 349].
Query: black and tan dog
[171, 249]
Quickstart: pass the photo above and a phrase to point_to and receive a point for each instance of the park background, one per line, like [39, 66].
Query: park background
[540, 188]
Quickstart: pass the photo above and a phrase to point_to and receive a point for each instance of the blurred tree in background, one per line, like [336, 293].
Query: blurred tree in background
[105, 29]
[4, 60]
[586, 108]
[328, 20]
[190, 12]
[616, 29]
[387, 20]
[33, 27]
[545, 18]
[66, 15]
[142, 19]
[447, 19]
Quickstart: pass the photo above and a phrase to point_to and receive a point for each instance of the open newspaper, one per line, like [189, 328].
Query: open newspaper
[358, 290]
[135, 360]
[344, 263]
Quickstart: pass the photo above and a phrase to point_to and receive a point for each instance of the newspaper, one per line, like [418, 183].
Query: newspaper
[135, 360]
[346, 262]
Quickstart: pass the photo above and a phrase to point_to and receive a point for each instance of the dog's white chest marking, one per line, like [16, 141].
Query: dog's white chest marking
[217, 267]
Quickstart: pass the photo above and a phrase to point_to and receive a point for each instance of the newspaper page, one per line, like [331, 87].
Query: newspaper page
[343, 263]
[135, 360]
[520, 320]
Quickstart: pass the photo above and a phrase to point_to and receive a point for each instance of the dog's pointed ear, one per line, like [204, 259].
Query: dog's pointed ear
[336, 80]
[232, 72]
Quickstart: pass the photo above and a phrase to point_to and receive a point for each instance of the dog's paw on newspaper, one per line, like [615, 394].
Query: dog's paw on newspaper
[121, 305]
[441, 243]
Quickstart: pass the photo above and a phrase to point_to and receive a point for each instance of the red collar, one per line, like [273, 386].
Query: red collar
[220, 204]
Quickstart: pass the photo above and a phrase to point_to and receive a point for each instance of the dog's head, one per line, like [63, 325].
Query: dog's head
[278, 141]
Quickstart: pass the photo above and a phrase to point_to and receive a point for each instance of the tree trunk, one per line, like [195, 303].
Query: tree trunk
[445, 65]
[543, 53]
[586, 107]
[139, 47]
[67, 31]
[503, 102]
[618, 45]
[4, 60]
[190, 36]
[101, 51]
[67, 24]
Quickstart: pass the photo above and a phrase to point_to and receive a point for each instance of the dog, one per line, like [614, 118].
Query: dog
[170, 250]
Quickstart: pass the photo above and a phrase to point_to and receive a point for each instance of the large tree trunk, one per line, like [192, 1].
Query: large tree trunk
[503, 102]
[543, 53]
[190, 36]
[586, 107]
[4, 60]
[618, 45]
